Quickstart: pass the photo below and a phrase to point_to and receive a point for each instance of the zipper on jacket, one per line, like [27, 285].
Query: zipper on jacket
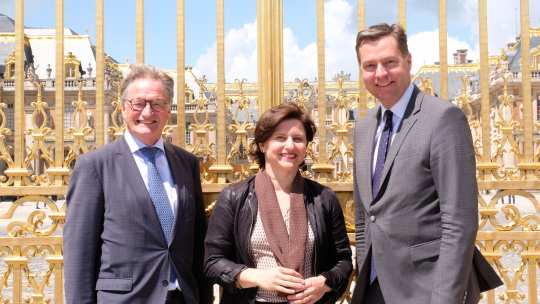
[251, 227]
[312, 213]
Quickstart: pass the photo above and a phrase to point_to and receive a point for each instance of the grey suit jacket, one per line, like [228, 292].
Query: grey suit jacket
[114, 248]
[421, 227]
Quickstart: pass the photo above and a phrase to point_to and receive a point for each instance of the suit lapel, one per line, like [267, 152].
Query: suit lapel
[136, 182]
[409, 118]
[364, 155]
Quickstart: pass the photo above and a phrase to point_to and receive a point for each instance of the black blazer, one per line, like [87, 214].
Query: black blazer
[114, 248]
[229, 232]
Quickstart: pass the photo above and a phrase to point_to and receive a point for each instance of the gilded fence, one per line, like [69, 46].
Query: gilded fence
[215, 121]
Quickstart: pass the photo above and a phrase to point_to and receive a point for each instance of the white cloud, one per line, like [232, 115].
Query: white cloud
[340, 33]
[300, 62]
[503, 19]
[424, 48]
[340, 36]
[240, 55]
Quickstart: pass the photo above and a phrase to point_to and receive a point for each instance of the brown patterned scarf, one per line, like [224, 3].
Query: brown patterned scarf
[288, 248]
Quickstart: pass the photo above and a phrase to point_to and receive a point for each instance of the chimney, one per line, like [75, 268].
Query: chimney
[461, 56]
[455, 58]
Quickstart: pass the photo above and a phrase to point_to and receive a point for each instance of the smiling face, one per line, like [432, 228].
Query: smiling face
[285, 150]
[385, 70]
[145, 125]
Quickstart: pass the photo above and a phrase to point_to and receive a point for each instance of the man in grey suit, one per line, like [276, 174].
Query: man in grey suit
[135, 221]
[415, 187]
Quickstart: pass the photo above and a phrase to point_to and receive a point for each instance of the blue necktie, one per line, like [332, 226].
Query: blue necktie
[384, 144]
[159, 197]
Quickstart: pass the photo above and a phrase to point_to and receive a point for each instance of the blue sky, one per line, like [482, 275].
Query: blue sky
[299, 35]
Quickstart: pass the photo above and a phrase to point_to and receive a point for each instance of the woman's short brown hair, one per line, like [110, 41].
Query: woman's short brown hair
[270, 119]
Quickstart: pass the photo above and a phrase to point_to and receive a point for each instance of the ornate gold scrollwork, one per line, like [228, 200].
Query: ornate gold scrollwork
[32, 249]
[512, 214]
[117, 122]
[202, 147]
[5, 156]
[303, 93]
[39, 222]
[510, 277]
[38, 148]
[426, 85]
[35, 265]
[508, 238]
[348, 213]
[507, 151]
[79, 130]
[239, 105]
[341, 152]
[464, 99]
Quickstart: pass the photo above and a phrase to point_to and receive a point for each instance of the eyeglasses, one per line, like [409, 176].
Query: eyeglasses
[138, 104]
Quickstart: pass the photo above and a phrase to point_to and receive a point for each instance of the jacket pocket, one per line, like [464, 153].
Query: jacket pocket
[114, 284]
[425, 250]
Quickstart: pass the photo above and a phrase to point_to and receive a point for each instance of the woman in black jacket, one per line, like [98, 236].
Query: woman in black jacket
[278, 237]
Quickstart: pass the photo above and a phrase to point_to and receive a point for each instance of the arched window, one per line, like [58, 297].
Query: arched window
[72, 66]
[9, 64]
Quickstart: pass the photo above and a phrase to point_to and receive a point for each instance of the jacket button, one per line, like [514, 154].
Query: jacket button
[165, 283]
[372, 218]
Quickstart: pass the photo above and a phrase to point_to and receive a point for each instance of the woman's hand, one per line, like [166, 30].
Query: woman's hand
[280, 279]
[315, 288]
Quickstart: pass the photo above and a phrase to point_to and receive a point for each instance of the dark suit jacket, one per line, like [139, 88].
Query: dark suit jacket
[114, 248]
[421, 227]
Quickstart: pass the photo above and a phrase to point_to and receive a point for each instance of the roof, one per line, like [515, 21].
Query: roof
[455, 75]
[43, 44]
[514, 54]
[7, 25]
[457, 71]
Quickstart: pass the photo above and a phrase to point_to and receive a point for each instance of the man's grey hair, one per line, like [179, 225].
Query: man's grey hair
[145, 71]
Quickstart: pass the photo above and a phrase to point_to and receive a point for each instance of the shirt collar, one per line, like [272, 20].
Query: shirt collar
[135, 144]
[399, 107]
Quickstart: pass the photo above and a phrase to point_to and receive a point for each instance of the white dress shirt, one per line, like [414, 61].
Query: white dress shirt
[162, 166]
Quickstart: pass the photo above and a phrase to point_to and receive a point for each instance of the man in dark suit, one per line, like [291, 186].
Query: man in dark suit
[135, 222]
[415, 187]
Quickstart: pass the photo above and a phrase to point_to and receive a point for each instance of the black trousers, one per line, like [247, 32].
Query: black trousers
[175, 297]
[369, 292]
[373, 293]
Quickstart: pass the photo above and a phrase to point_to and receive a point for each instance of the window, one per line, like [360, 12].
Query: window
[10, 117]
[538, 107]
[68, 112]
[188, 134]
